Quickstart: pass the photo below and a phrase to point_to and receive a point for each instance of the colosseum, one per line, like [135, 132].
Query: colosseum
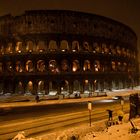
[62, 52]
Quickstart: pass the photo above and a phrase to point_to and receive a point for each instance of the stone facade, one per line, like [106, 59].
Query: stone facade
[65, 52]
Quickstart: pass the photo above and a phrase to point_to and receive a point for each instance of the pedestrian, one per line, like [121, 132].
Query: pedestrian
[37, 98]
[110, 115]
[120, 114]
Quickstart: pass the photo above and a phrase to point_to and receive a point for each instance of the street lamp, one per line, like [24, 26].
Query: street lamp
[90, 109]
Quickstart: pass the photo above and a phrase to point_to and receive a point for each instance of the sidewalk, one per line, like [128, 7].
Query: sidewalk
[62, 101]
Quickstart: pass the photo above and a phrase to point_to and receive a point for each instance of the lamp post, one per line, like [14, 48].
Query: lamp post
[122, 103]
[90, 109]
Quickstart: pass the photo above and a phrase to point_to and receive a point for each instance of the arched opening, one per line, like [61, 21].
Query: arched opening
[9, 48]
[1, 49]
[75, 46]
[120, 86]
[87, 87]
[76, 87]
[29, 46]
[8, 87]
[52, 45]
[97, 66]
[1, 88]
[104, 48]
[75, 66]
[118, 50]
[128, 53]
[29, 66]
[64, 65]
[18, 47]
[19, 88]
[86, 66]
[119, 67]
[124, 52]
[41, 65]
[53, 67]
[53, 88]
[1, 67]
[9, 66]
[64, 86]
[86, 46]
[41, 46]
[113, 66]
[113, 50]
[96, 48]
[125, 67]
[29, 88]
[115, 85]
[19, 67]
[64, 46]
[41, 88]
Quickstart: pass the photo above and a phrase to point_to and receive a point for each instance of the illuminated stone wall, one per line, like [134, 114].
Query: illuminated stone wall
[65, 52]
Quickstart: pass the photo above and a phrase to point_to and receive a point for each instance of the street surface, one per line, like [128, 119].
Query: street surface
[35, 120]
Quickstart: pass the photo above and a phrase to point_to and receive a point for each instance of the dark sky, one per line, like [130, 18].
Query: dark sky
[125, 11]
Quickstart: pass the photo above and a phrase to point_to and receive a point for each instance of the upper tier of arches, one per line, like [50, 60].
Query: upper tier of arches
[42, 46]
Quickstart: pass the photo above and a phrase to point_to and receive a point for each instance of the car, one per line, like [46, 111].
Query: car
[117, 98]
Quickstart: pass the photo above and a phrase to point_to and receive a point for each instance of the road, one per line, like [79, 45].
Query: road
[36, 120]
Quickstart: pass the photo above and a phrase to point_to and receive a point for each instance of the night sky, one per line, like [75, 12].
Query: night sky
[125, 11]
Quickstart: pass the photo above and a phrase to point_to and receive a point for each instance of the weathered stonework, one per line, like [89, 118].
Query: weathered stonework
[57, 49]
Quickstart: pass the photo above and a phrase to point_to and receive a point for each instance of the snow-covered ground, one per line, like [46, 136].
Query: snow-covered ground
[97, 131]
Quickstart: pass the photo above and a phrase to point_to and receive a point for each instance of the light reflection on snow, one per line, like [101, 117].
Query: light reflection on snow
[105, 101]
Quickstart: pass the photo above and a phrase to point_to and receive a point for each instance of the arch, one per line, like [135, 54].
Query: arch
[52, 45]
[1, 49]
[19, 67]
[9, 48]
[19, 88]
[64, 65]
[125, 66]
[75, 46]
[75, 66]
[29, 66]
[41, 88]
[41, 65]
[29, 46]
[86, 66]
[118, 50]
[76, 86]
[64, 86]
[87, 87]
[53, 88]
[123, 52]
[86, 46]
[53, 67]
[113, 66]
[114, 85]
[97, 65]
[113, 50]
[9, 66]
[104, 48]
[64, 45]
[128, 53]
[1, 88]
[29, 88]
[119, 68]
[1, 67]
[18, 47]
[40, 46]
[96, 47]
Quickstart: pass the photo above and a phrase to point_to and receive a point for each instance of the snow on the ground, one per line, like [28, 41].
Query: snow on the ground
[96, 132]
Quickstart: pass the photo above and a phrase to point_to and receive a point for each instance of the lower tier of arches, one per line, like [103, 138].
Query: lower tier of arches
[64, 87]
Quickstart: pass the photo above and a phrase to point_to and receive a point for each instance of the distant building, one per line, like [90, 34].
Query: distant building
[65, 52]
